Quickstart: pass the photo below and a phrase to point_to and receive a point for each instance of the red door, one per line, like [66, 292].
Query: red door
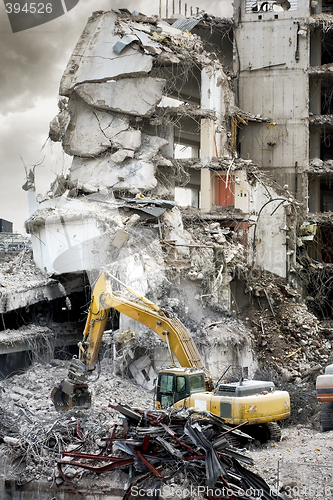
[225, 191]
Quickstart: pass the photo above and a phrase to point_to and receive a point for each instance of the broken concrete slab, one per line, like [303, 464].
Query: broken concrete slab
[22, 285]
[174, 230]
[91, 131]
[10, 300]
[143, 373]
[150, 146]
[133, 175]
[70, 235]
[93, 59]
[133, 96]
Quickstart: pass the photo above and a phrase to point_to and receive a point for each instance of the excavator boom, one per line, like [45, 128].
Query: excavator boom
[170, 330]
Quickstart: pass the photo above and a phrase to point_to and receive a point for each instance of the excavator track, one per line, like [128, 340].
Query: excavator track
[326, 417]
[235, 441]
[269, 431]
[274, 430]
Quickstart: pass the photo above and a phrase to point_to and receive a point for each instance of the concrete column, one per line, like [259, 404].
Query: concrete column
[206, 153]
[315, 97]
[315, 143]
[211, 145]
[32, 201]
[314, 194]
[207, 142]
[166, 131]
[212, 98]
[206, 190]
[242, 194]
[315, 48]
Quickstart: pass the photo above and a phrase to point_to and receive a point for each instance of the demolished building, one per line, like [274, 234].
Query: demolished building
[290, 84]
[154, 113]
[134, 88]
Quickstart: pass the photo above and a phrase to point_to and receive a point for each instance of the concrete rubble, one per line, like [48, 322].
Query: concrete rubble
[34, 436]
[22, 284]
[319, 166]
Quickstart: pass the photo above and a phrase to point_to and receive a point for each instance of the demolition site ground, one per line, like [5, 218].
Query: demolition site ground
[42, 447]
[34, 438]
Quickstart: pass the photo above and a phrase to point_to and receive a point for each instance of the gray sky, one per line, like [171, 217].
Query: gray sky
[32, 63]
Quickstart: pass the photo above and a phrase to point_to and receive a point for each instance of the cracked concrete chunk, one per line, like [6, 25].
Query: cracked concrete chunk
[174, 229]
[121, 155]
[133, 175]
[147, 28]
[317, 162]
[90, 131]
[59, 125]
[163, 162]
[120, 238]
[128, 139]
[133, 96]
[151, 144]
[167, 58]
[93, 59]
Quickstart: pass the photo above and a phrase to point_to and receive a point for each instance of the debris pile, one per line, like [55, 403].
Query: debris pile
[292, 344]
[20, 273]
[33, 434]
[318, 166]
[161, 449]
[285, 328]
[79, 450]
[24, 288]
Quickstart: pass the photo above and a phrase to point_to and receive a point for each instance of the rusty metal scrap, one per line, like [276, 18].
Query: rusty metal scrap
[186, 446]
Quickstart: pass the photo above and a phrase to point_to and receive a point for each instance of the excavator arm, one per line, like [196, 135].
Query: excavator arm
[73, 391]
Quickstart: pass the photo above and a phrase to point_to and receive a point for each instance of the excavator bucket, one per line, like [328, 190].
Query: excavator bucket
[79, 397]
[60, 399]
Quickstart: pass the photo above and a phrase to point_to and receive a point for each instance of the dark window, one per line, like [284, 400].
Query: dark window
[167, 383]
[197, 382]
[181, 384]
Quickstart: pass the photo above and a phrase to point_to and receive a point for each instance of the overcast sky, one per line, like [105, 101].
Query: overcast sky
[31, 65]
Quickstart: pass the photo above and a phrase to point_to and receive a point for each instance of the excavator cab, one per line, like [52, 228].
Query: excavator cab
[177, 384]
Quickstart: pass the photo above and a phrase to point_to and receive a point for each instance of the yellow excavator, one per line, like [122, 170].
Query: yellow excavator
[254, 403]
[324, 386]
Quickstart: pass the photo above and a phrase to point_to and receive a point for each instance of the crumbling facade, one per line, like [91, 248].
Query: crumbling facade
[148, 114]
[288, 83]
[128, 146]
[137, 90]
[155, 116]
